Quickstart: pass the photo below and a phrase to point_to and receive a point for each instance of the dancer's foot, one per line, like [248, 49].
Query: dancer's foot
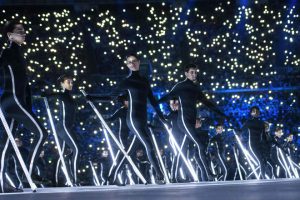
[10, 189]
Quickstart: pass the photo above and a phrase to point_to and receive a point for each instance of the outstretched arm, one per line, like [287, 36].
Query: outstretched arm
[171, 94]
[210, 104]
[51, 94]
[112, 96]
[114, 116]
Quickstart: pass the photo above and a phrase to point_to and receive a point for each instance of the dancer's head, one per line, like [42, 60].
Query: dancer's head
[198, 122]
[267, 127]
[42, 154]
[290, 138]
[66, 82]
[254, 111]
[15, 32]
[278, 132]
[18, 142]
[219, 128]
[139, 153]
[133, 62]
[174, 104]
[190, 72]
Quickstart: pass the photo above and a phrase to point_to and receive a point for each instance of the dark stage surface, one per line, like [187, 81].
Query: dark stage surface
[241, 190]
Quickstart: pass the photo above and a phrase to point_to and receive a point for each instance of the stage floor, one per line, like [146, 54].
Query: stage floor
[241, 190]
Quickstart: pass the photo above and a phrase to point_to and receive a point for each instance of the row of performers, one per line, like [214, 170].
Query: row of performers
[276, 156]
[16, 109]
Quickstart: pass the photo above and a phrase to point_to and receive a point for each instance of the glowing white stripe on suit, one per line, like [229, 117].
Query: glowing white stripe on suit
[246, 154]
[220, 158]
[178, 156]
[17, 173]
[173, 146]
[292, 167]
[250, 146]
[213, 169]
[159, 158]
[58, 163]
[132, 124]
[280, 162]
[114, 163]
[109, 145]
[190, 168]
[237, 164]
[249, 175]
[3, 158]
[271, 169]
[187, 130]
[255, 161]
[285, 163]
[129, 175]
[60, 151]
[277, 171]
[30, 117]
[120, 129]
[118, 152]
[129, 149]
[13, 142]
[9, 180]
[296, 165]
[95, 174]
[136, 170]
[76, 148]
[101, 174]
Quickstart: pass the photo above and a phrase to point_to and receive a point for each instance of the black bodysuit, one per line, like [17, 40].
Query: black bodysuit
[139, 91]
[124, 138]
[189, 94]
[64, 129]
[254, 128]
[16, 104]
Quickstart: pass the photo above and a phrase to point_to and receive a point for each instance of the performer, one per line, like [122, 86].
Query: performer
[271, 170]
[16, 98]
[124, 138]
[289, 146]
[139, 91]
[278, 143]
[104, 163]
[254, 128]
[65, 124]
[203, 137]
[177, 163]
[14, 168]
[188, 94]
[217, 141]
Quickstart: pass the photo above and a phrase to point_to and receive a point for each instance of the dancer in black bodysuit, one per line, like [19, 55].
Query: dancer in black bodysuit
[254, 128]
[189, 94]
[16, 98]
[217, 154]
[139, 90]
[124, 137]
[176, 162]
[66, 123]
